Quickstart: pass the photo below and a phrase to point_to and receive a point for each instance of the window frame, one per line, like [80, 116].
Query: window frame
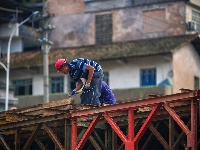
[26, 84]
[195, 19]
[54, 82]
[154, 80]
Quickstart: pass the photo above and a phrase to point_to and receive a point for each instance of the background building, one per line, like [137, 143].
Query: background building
[142, 46]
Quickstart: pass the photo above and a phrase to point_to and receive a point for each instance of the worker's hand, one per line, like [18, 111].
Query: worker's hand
[73, 92]
[87, 85]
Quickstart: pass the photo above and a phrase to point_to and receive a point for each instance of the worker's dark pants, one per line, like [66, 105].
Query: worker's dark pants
[91, 95]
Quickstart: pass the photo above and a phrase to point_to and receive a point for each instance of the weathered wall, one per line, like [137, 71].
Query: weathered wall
[73, 30]
[107, 5]
[186, 65]
[196, 2]
[129, 23]
[63, 7]
[79, 29]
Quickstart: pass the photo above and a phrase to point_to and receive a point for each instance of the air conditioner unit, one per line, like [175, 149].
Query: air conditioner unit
[191, 26]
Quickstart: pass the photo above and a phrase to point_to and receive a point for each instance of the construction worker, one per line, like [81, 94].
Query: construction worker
[107, 97]
[88, 70]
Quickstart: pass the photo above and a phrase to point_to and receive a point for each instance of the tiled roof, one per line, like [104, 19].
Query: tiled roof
[104, 52]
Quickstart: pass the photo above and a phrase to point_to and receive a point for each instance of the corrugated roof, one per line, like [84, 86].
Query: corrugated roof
[103, 52]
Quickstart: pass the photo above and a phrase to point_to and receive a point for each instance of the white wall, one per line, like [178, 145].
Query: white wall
[6, 29]
[127, 75]
[38, 88]
[16, 45]
[3, 93]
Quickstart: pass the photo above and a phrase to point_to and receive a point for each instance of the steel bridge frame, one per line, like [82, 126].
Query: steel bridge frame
[50, 117]
[131, 141]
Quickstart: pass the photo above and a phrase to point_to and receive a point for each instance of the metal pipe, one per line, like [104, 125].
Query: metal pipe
[8, 55]
[45, 49]
[8, 61]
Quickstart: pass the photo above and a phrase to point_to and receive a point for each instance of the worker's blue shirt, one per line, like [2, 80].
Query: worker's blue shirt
[78, 68]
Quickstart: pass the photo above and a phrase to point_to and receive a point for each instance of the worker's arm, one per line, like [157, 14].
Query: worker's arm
[78, 88]
[90, 74]
[79, 85]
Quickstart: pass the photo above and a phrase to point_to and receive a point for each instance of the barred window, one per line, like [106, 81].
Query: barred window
[196, 19]
[103, 28]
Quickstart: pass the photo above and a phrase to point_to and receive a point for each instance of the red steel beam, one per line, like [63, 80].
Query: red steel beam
[192, 139]
[131, 124]
[74, 134]
[131, 142]
[147, 122]
[88, 132]
[53, 137]
[115, 127]
[177, 119]
[135, 104]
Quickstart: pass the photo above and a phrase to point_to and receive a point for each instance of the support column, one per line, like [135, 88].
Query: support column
[131, 124]
[193, 124]
[67, 143]
[73, 133]
[114, 140]
[171, 133]
[17, 139]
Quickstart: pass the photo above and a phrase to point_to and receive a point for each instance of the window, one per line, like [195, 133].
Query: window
[56, 85]
[148, 77]
[103, 29]
[196, 83]
[106, 77]
[196, 19]
[22, 87]
[154, 21]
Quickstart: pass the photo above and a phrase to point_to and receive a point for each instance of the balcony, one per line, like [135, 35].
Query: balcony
[22, 32]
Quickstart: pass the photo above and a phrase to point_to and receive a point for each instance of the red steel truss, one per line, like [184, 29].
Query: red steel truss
[156, 103]
[129, 125]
